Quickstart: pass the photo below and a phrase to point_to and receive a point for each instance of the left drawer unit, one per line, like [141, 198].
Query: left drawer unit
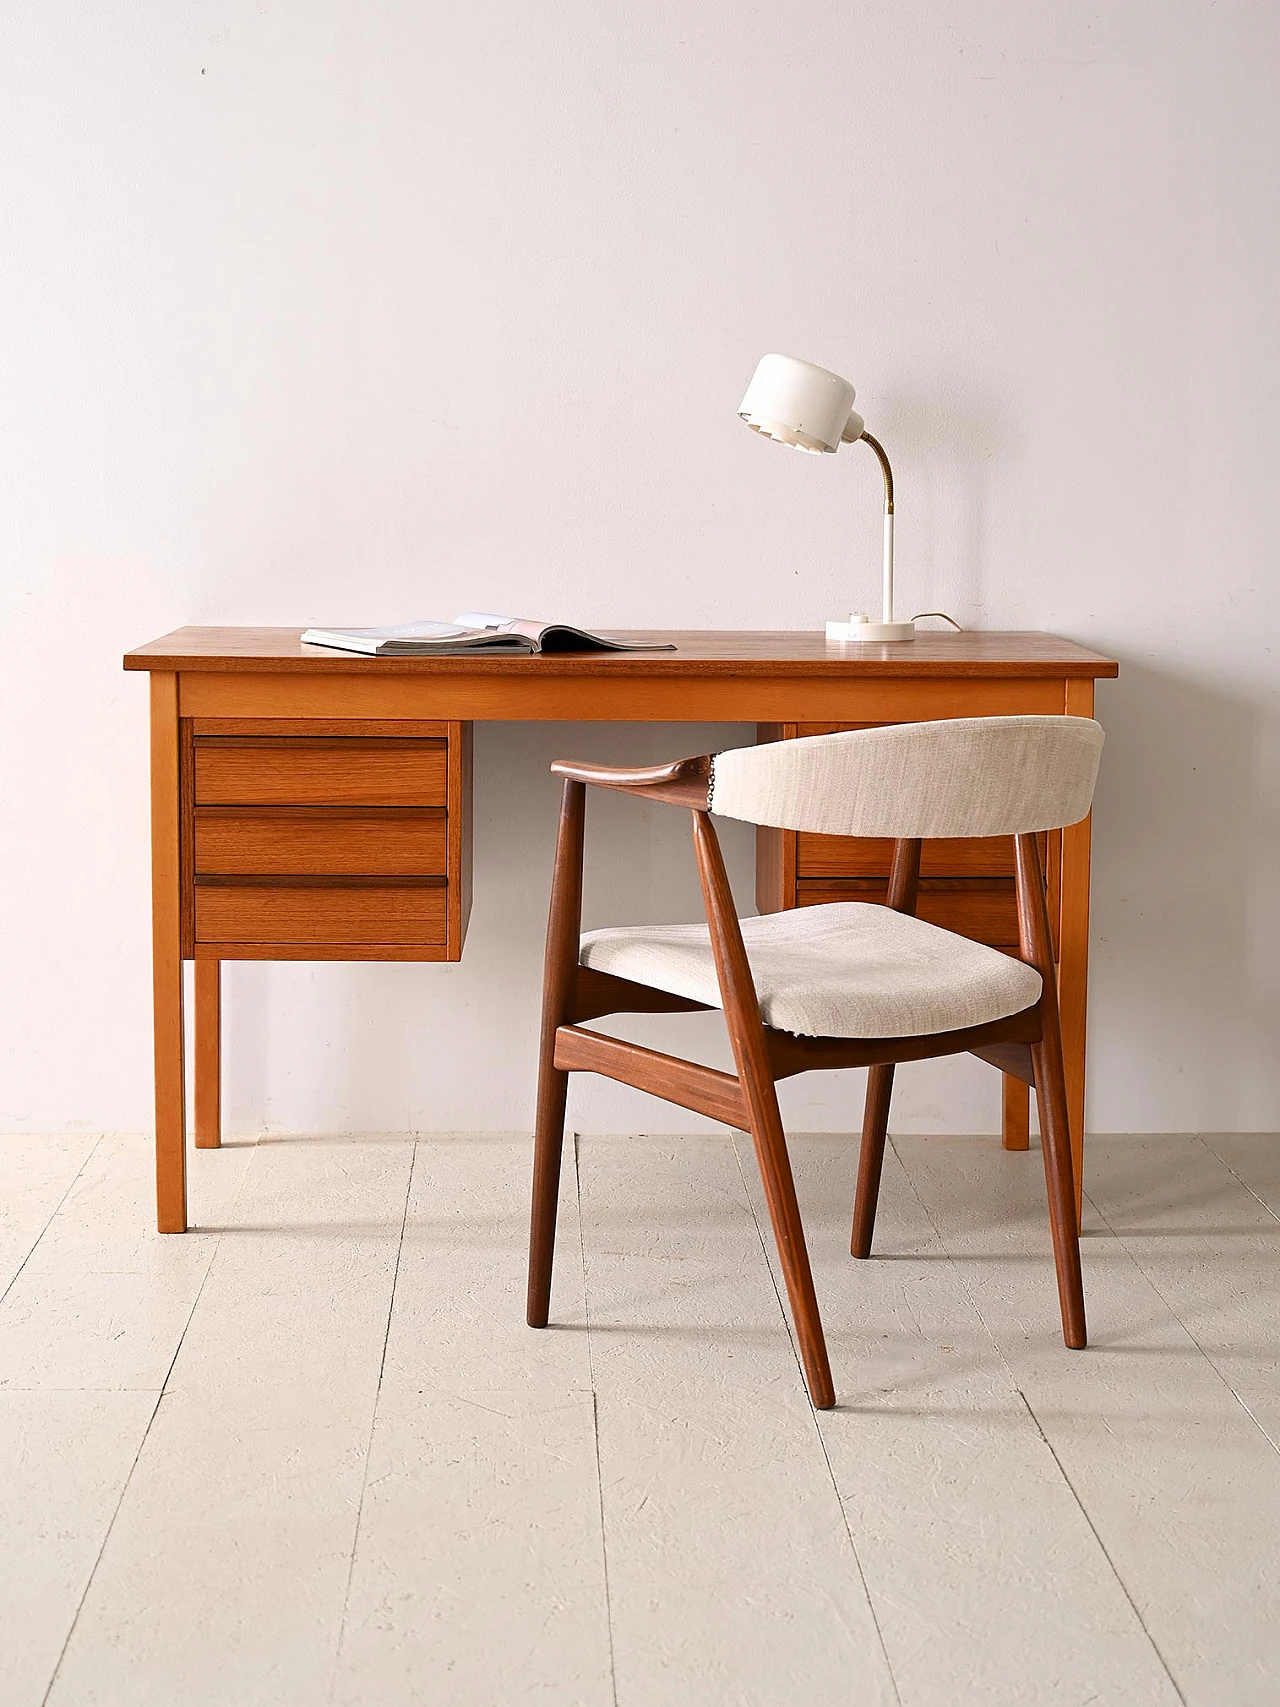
[325, 841]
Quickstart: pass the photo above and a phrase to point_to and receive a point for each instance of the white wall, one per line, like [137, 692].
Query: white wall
[366, 311]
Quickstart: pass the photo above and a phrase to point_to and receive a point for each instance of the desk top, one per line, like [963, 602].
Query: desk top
[731, 653]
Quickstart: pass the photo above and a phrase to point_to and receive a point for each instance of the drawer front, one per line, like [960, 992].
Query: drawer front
[314, 841]
[986, 911]
[315, 771]
[354, 912]
[871, 856]
[966, 885]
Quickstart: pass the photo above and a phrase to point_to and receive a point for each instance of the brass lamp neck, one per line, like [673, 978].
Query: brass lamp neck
[878, 448]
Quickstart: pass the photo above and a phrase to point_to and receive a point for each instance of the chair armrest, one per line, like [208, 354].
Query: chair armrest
[683, 782]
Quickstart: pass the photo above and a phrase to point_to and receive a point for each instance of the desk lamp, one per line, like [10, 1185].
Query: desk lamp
[808, 408]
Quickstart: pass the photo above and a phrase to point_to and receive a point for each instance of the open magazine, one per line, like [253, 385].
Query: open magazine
[474, 631]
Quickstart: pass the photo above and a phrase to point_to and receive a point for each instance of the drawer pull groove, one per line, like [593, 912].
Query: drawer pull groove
[308, 880]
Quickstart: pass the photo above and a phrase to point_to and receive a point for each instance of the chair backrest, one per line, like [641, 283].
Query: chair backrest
[968, 776]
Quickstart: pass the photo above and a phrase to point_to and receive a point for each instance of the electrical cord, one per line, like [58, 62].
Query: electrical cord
[920, 616]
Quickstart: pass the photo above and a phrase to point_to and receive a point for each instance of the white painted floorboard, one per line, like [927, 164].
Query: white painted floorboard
[225, 1572]
[88, 1331]
[1180, 1484]
[66, 1457]
[47, 1169]
[725, 1541]
[479, 1571]
[938, 1458]
[310, 1453]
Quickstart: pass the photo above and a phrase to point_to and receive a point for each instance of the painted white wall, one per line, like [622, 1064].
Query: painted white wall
[369, 311]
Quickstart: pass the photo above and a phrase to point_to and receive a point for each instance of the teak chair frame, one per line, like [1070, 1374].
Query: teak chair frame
[1027, 1045]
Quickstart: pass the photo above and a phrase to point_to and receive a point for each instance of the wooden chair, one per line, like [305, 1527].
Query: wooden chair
[852, 984]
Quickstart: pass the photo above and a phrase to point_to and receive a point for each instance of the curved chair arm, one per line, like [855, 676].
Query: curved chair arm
[682, 782]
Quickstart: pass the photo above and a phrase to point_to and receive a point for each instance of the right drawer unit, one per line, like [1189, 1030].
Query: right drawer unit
[966, 885]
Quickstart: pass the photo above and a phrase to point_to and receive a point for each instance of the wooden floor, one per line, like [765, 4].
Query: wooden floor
[312, 1455]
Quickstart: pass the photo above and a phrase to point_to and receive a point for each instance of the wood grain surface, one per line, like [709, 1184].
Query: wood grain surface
[321, 912]
[871, 856]
[983, 909]
[272, 771]
[708, 652]
[385, 841]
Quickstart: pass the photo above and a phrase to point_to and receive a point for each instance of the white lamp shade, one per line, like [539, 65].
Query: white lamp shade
[800, 404]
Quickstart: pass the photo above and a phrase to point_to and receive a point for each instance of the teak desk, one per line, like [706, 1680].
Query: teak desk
[315, 805]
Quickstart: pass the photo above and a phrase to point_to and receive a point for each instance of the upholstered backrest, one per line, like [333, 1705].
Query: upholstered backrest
[968, 776]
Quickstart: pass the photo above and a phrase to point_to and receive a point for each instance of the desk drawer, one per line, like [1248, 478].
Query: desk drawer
[365, 910]
[288, 770]
[325, 839]
[312, 841]
[985, 910]
[871, 856]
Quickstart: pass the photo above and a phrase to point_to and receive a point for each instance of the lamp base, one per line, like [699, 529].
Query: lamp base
[859, 630]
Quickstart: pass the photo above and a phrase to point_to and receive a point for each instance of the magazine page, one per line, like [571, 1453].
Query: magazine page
[417, 637]
[557, 636]
[395, 631]
[473, 631]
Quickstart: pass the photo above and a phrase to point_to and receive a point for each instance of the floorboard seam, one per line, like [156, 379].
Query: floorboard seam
[952, 1265]
[93, 1150]
[595, 1420]
[146, 1435]
[1142, 1623]
[1035, 1421]
[1243, 1183]
[106, 1534]
[373, 1423]
[817, 1427]
[1207, 1355]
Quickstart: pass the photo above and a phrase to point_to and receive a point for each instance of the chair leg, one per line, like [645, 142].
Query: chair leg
[1055, 1140]
[548, 1149]
[746, 1035]
[559, 981]
[875, 1124]
[793, 1253]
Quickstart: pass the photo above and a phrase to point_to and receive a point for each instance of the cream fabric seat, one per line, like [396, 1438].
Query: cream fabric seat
[849, 969]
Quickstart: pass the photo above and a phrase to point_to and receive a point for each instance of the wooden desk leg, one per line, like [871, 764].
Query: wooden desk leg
[166, 952]
[208, 1028]
[1073, 955]
[1015, 1121]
